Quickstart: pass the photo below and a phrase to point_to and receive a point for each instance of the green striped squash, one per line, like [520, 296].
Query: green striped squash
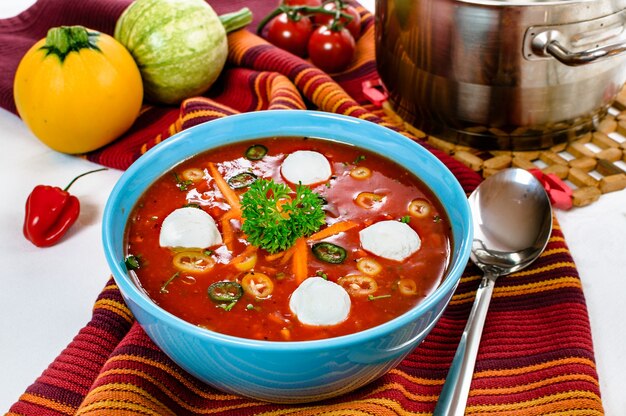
[179, 46]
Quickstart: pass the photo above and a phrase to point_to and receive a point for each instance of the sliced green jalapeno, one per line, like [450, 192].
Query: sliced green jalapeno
[329, 252]
[256, 152]
[241, 180]
[225, 291]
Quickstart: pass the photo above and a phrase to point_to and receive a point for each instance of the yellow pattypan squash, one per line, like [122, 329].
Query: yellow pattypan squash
[77, 90]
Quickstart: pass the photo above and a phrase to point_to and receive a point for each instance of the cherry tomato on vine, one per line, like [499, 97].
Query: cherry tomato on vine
[354, 26]
[290, 34]
[331, 50]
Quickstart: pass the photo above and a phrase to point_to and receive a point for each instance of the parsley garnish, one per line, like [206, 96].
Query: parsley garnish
[406, 219]
[272, 223]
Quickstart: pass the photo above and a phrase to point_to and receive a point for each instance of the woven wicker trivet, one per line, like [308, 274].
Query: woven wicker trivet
[591, 165]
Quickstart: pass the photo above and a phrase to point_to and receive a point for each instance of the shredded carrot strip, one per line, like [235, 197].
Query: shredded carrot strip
[336, 228]
[286, 334]
[249, 250]
[228, 234]
[300, 260]
[285, 254]
[233, 200]
[275, 256]
[268, 270]
[244, 255]
[230, 195]
[288, 253]
[277, 318]
[232, 215]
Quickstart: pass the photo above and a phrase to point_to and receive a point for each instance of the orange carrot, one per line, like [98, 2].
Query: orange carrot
[288, 254]
[245, 260]
[276, 256]
[286, 334]
[277, 318]
[300, 260]
[231, 196]
[336, 228]
[228, 234]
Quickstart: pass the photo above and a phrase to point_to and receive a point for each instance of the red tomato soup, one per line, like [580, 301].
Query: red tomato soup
[376, 242]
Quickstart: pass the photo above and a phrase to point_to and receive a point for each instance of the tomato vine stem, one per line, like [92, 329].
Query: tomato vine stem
[295, 13]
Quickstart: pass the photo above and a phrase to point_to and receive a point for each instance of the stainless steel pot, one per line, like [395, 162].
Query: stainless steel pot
[497, 74]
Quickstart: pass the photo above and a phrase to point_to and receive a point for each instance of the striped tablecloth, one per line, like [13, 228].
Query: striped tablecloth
[536, 355]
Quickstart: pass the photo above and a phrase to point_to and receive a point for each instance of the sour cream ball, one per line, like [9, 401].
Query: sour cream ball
[320, 302]
[190, 228]
[306, 167]
[393, 240]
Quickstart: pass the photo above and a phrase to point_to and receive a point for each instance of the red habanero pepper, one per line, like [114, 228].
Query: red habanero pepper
[50, 212]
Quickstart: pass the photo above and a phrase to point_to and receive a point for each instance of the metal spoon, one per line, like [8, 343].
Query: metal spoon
[512, 219]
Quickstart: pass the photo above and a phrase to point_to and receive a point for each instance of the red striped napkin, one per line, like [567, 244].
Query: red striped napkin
[536, 356]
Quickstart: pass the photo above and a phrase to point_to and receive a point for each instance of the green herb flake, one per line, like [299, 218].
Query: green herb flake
[320, 273]
[132, 262]
[406, 219]
[227, 306]
[167, 282]
[436, 218]
[372, 297]
[272, 223]
[182, 185]
[192, 205]
[358, 159]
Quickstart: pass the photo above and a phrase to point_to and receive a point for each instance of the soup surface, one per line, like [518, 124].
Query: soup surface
[376, 242]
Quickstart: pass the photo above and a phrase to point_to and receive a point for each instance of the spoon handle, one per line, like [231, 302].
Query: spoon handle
[453, 397]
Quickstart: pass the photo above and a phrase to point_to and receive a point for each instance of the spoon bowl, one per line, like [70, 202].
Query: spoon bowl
[512, 218]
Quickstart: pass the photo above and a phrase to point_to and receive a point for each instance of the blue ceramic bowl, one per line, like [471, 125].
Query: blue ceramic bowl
[286, 372]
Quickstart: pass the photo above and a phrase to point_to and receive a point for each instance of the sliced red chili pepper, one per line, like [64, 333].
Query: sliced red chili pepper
[559, 193]
[50, 212]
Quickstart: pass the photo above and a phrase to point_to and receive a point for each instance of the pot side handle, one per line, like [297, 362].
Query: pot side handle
[549, 43]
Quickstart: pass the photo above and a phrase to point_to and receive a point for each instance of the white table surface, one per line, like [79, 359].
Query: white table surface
[46, 295]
